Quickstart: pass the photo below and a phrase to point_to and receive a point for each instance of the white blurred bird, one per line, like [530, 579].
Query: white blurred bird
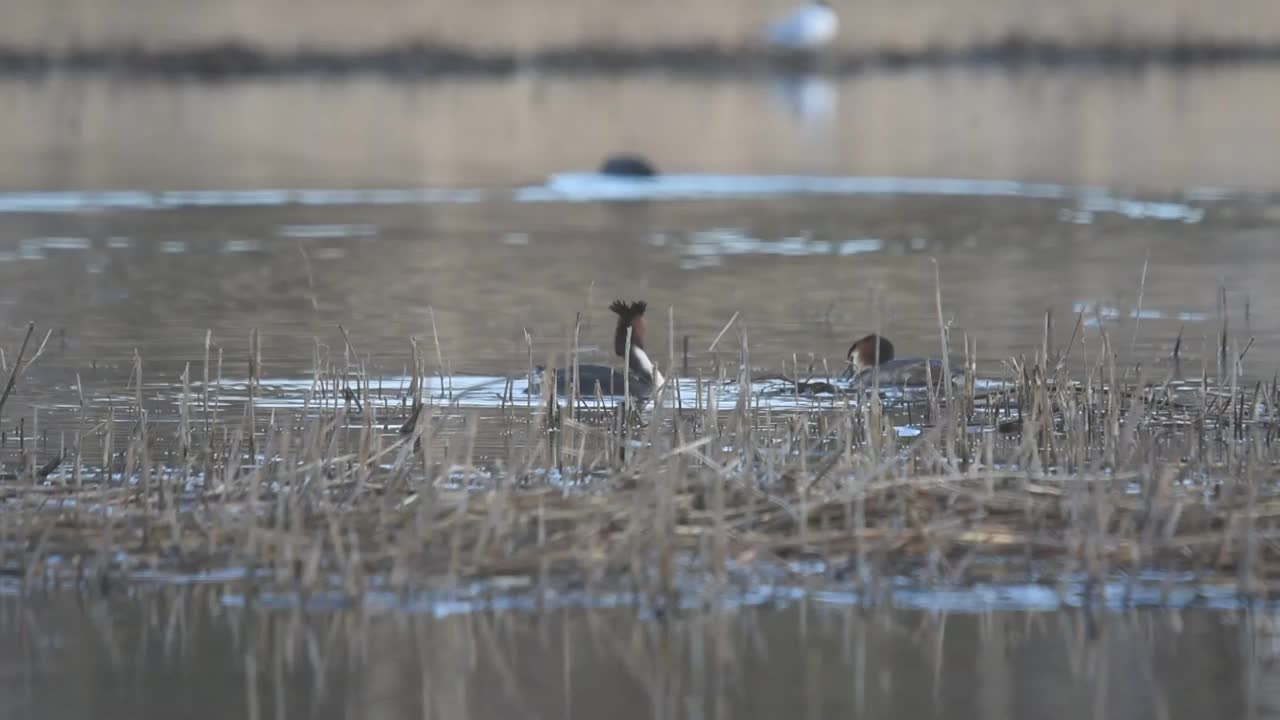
[808, 27]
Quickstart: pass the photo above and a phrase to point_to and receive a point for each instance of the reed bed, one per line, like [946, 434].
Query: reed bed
[1074, 469]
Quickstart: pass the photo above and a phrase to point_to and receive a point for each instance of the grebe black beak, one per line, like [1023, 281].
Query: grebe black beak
[848, 373]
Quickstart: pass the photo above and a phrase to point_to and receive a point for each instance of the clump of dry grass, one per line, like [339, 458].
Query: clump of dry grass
[1050, 475]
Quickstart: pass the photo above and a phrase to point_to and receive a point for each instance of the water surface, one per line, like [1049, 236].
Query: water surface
[138, 220]
[1154, 130]
[795, 277]
[154, 653]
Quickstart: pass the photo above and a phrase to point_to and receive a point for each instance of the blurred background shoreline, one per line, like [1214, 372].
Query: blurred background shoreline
[907, 25]
[1148, 98]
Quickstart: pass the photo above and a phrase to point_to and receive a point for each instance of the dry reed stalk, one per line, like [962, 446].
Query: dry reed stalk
[255, 364]
[946, 361]
[13, 375]
[446, 384]
[575, 372]
[39, 351]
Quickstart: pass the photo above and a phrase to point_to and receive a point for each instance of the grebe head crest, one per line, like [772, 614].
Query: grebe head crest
[631, 315]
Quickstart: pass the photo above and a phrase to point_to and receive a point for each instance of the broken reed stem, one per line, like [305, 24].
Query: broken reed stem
[39, 350]
[13, 375]
[575, 384]
[255, 366]
[1137, 320]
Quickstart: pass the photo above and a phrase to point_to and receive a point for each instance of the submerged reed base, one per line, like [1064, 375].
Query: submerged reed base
[1045, 478]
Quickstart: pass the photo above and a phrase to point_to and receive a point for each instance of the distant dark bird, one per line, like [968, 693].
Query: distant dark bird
[632, 166]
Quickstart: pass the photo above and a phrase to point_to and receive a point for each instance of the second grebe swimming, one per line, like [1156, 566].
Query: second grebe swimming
[874, 354]
[601, 380]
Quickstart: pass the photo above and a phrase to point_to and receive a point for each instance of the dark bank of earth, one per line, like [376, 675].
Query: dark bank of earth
[424, 58]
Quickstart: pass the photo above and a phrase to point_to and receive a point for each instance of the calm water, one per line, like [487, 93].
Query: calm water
[1153, 130]
[499, 247]
[191, 653]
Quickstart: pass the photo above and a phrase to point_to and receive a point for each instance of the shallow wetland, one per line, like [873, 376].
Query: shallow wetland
[269, 448]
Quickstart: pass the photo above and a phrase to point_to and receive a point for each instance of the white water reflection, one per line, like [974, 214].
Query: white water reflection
[327, 231]
[494, 391]
[812, 100]
[1095, 311]
[594, 187]
[583, 187]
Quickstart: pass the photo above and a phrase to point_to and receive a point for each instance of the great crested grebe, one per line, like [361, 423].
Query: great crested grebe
[808, 27]
[873, 356]
[600, 380]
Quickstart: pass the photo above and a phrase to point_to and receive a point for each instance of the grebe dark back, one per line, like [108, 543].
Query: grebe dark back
[874, 355]
[602, 380]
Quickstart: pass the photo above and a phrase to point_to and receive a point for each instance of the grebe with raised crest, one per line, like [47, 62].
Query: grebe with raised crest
[603, 380]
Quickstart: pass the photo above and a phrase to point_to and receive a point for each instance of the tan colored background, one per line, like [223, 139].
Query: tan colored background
[1152, 131]
[533, 23]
